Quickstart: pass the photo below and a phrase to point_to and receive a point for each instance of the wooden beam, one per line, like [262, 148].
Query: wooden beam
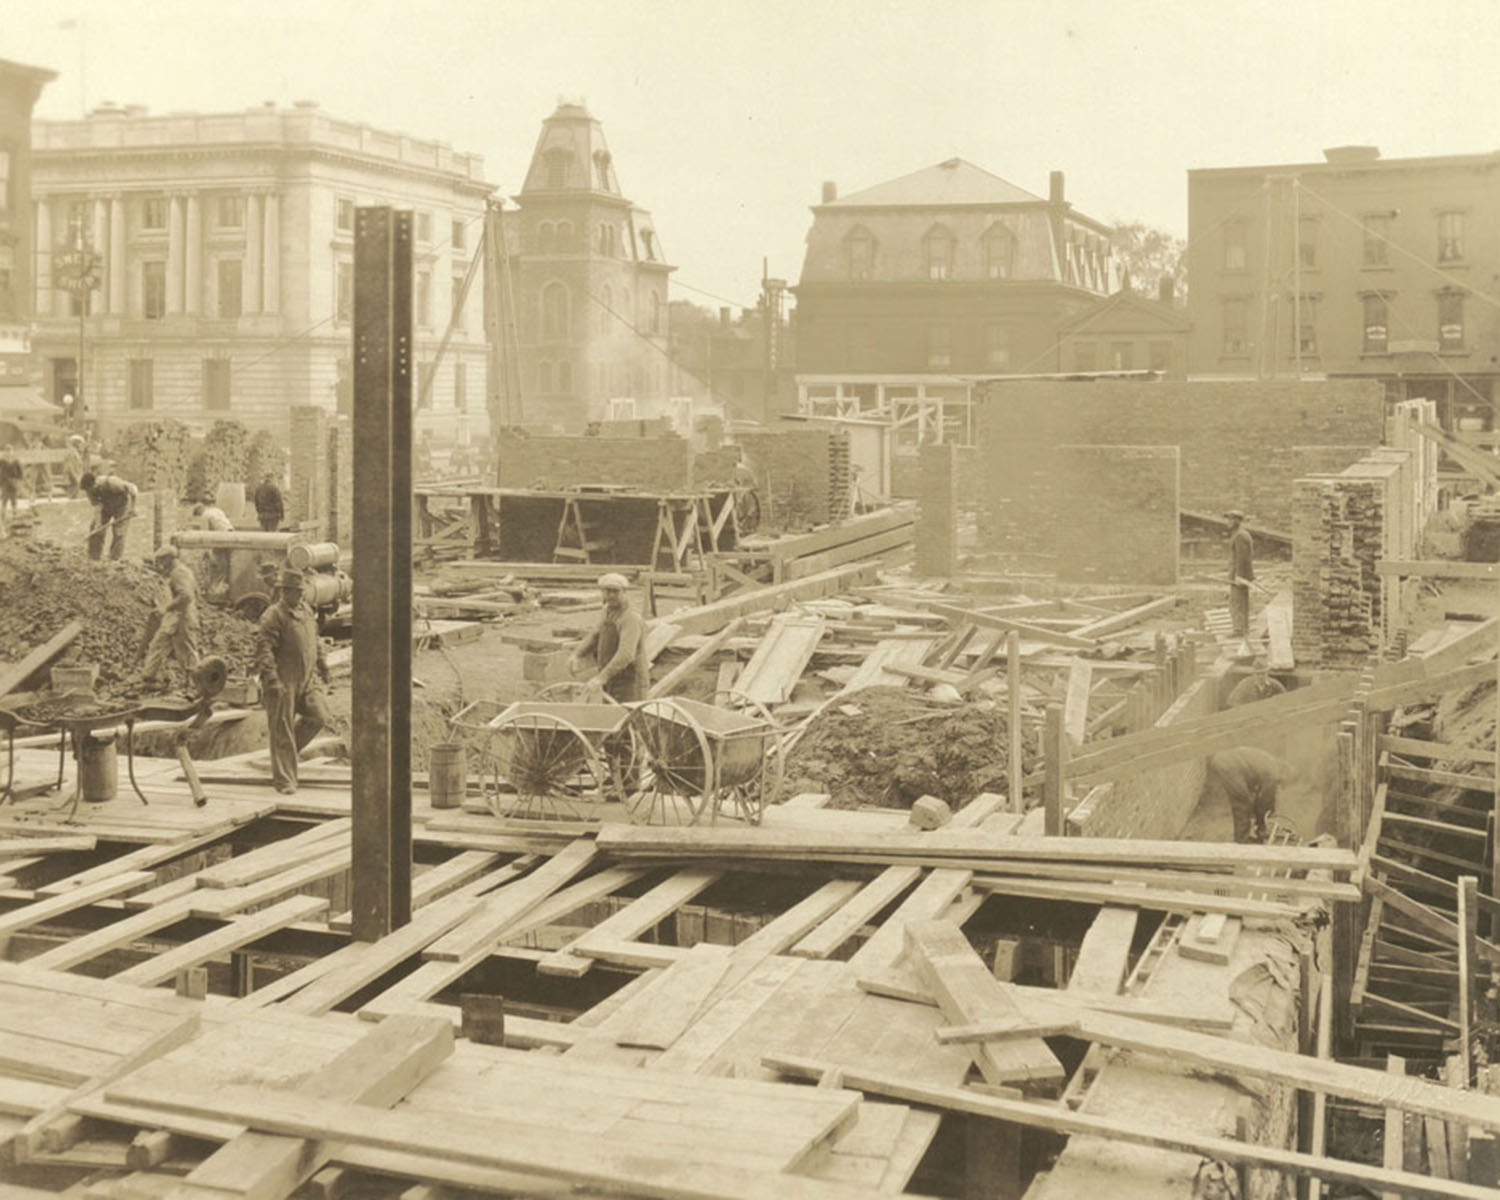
[669, 682]
[1105, 626]
[1104, 952]
[706, 618]
[1436, 569]
[14, 675]
[1015, 765]
[235, 934]
[1436, 751]
[1076, 705]
[1468, 954]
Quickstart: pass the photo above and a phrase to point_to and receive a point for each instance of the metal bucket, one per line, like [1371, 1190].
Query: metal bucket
[98, 769]
[447, 775]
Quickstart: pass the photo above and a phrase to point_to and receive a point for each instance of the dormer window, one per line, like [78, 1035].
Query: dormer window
[938, 250]
[601, 170]
[999, 252]
[648, 240]
[860, 245]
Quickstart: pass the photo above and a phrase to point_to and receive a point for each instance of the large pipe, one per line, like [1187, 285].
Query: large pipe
[239, 539]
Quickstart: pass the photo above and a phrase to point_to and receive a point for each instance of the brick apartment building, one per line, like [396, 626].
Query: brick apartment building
[225, 244]
[590, 283]
[948, 270]
[1356, 266]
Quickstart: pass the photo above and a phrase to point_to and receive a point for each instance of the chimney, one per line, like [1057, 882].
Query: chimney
[830, 191]
[724, 317]
[1165, 289]
[1055, 187]
[1351, 154]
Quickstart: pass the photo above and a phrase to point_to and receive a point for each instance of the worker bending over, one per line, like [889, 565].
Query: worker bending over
[1249, 779]
[114, 504]
[292, 675]
[618, 645]
[174, 633]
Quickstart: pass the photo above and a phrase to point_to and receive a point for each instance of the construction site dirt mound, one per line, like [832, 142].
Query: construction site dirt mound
[888, 746]
[43, 587]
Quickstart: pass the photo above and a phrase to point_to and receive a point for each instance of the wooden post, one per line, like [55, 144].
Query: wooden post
[1494, 928]
[1468, 904]
[381, 717]
[1393, 1147]
[1015, 762]
[1055, 752]
[1345, 933]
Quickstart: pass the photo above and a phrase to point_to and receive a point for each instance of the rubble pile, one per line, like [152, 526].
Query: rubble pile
[887, 746]
[45, 587]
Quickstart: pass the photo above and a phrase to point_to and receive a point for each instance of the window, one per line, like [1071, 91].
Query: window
[557, 164]
[546, 238]
[1307, 324]
[4, 180]
[1085, 356]
[655, 312]
[424, 299]
[1234, 246]
[1122, 356]
[139, 383]
[1159, 356]
[153, 289]
[424, 227]
[216, 384]
[997, 347]
[544, 377]
[230, 281]
[343, 298]
[565, 237]
[344, 216]
[1307, 243]
[1377, 237]
[229, 212]
[607, 240]
[457, 233]
[424, 384]
[1450, 306]
[458, 302]
[1236, 311]
[154, 213]
[648, 240]
[601, 170]
[555, 313]
[565, 378]
[1376, 335]
[460, 387]
[999, 253]
[938, 247]
[861, 254]
[940, 347]
[1450, 237]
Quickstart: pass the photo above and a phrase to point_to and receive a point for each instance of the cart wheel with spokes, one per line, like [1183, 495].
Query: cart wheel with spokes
[672, 770]
[745, 789]
[548, 763]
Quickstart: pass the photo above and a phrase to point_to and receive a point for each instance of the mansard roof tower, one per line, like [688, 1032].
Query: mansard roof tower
[590, 282]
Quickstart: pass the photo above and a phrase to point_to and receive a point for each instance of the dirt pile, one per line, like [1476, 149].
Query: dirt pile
[888, 746]
[44, 587]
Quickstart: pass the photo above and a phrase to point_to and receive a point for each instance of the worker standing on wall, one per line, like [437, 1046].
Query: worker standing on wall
[270, 509]
[1249, 779]
[618, 645]
[114, 508]
[1241, 572]
[173, 637]
[292, 675]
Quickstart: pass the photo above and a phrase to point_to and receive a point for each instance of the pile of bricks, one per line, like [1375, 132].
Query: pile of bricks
[1338, 535]
[154, 455]
[840, 477]
[661, 463]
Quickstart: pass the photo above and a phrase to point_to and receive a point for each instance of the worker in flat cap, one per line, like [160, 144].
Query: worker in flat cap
[292, 674]
[1249, 780]
[1241, 572]
[617, 646]
[172, 636]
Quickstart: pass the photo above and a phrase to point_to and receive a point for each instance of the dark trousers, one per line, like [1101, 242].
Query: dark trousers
[293, 718]
[1239, 609]
[116, 535]
[269, 522]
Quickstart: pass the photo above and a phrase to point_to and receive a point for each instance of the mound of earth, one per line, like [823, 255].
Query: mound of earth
[888, 746]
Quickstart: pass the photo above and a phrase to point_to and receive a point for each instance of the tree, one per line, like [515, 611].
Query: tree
[1147, 256]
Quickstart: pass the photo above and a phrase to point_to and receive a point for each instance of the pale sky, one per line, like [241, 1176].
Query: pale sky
[725, 116]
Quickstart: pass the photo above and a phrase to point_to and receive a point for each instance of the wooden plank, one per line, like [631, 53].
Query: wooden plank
[1156, 899]
[1104, 952]
[1437, 751]
[629, 922]
[220, 902]
[932, 898]
[1062, 1120]
[862, 908]
[1035, 633]
[379, 1069]
[512, 902]
[1435, 568]
[1455, 779]
[1076, 704]
[776, 936]
[235, 934]
[144, 858]
[677, 999]
[1105, 626]
[779, 660]
[1210, 938]
[13, 675]
[669, 682]
[1392, 1148]
[1280, 656]
[265, 861]
[967, 992]
[705, 618]
[611, 1165]
[70, 953]
[39, 912]
[45, 844]
[1184, 881]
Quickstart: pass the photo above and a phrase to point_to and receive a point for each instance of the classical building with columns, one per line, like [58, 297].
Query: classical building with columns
[225, 247]
[20, 85]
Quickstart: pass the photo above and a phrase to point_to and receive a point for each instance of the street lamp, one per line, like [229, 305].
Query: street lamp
[76, 271]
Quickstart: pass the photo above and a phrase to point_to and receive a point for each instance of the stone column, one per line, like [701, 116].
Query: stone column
[174, 255]
[254, 254]
[100, 235]
[270, 300]
[44, 290]
[192, 287]
[117, 236]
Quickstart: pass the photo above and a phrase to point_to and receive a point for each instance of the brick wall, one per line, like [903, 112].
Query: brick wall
[639, 428]
[1242, 443]
[307, 495]
[936, 534]
[796, 471]
[340, 462]
[649, 463]
[1112, 513]
[715, 466]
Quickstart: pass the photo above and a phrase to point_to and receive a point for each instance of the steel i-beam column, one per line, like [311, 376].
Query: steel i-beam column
[381, 713]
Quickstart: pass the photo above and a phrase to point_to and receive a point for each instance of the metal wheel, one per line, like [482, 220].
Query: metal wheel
[747, 798]
[252, 605]
[747, 511]
[570, 691]
[548, 763]
[671, 775]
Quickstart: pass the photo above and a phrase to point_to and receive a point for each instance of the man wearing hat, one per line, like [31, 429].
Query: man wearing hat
[618, 646]
[1241, 572]
[174, 634]
[114, 502]
[292, 675]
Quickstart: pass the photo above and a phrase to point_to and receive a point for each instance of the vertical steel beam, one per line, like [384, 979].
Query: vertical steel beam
[381, 714]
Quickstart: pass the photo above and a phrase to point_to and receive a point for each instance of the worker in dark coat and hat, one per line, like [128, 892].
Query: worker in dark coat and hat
[1241, 572]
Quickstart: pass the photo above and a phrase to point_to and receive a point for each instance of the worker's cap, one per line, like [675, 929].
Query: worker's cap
[292, 579]
[166, 554]
[613, 582]
[1235, 514]
[77, 440]
[86, 481]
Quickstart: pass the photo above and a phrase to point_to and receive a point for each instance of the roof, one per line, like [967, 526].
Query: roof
[955, 181]
[1168, 315]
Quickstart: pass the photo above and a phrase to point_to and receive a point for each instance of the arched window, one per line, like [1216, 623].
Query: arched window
[564, 237]
[999, 252]
[607, 240]
[544, 377]
[546, 238]
[938, 251]
[655, 312]
[861, 249]
[606, 307]
[555, 313]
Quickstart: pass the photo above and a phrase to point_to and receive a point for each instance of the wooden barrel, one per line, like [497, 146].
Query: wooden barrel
[447, 775]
